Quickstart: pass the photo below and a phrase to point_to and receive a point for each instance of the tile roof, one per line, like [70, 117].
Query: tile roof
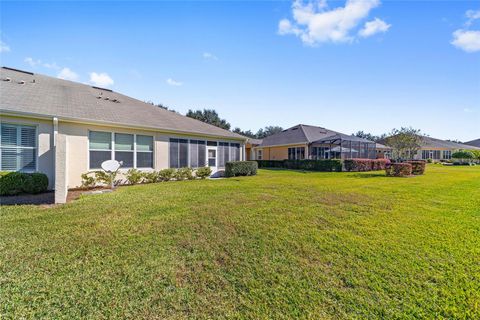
[48, 96]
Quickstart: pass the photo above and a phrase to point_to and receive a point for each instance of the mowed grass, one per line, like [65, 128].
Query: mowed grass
[279, 245]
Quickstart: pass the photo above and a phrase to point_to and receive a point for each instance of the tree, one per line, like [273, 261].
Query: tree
[160, 105]
[209, 116]
[268, 131]
[369, 136]
[247, 133]
[405, 142]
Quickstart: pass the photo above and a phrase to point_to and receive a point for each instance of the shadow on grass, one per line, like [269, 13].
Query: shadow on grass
[368, 175]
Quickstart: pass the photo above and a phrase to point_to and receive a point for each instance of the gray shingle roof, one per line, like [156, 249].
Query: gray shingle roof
[300, 134]
[475, 143]
[433, 143]
[43, 95]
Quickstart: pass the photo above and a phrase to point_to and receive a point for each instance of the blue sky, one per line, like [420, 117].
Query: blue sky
[268, 63]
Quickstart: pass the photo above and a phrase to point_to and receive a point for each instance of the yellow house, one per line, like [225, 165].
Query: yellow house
[64, 129]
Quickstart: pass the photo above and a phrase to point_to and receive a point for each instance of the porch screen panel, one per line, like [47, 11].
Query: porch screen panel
[235, 149]
[100, 148]
[221, 155]
[194, 153]
[173, 151]
[201, 154]
[183, 153]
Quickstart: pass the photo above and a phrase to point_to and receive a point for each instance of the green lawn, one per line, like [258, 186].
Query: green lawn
[282, 244]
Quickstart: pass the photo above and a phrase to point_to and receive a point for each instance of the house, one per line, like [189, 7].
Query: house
[437, 150]
[475, 143]
[249, 147]
[65, 129]
[312, 142]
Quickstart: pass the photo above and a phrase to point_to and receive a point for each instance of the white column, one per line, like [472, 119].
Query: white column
[61, 169]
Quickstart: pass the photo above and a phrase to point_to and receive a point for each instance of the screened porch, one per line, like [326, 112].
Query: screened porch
[341, 146]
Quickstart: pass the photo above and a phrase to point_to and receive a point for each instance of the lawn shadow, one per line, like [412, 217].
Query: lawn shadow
[36, 199]
[368, 175]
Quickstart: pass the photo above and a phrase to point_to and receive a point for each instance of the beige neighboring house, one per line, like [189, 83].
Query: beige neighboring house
[64, 129]
[438, 150]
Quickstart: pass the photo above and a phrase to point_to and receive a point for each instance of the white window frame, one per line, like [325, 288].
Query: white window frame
[260, 154]
[112, 153]
[17, 124]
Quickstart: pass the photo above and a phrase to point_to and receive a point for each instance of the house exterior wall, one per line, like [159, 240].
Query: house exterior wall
[278, 152]
[64, 156]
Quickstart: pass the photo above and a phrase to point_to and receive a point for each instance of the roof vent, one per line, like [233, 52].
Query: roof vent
[107, 98]
[99, 97]
[7, 79]
[296, 128]
[33, 80]
[17, 70]
[21, 82]
[109, 90]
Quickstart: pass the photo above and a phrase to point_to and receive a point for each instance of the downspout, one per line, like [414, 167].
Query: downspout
[55, 130]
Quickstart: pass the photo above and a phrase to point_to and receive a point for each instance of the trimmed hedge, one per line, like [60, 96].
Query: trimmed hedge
[418, 167]
[240, 168]
[311, 165]
[13, 183]
[399, 170]
[365, 164]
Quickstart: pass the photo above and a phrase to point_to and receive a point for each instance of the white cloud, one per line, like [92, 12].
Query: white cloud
[37, 62]
[101, 79]
[208, 55]
[4, 47]
[67, 74]
[472, 15]
[467, 40]
[314, 23]
[32, 62]
[172, 82]
[372, 27]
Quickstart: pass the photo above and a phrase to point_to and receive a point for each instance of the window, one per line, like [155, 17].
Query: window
[18, 148]
[447, 154]
[144, 151]
[178, 153]
[100, 148]
[259, 154]
[124, 149]
[212, 157]
[121, 147]
[297, 153]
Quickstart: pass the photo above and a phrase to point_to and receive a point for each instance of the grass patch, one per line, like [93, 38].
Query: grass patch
[280, 245]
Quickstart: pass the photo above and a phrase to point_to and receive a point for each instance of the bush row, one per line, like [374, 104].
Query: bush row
[13, 183]
[311, 165]
[241, 168]
[365, 164]
[135, 176]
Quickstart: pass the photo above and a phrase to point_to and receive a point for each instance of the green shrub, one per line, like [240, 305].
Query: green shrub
[12, 183]
[35, 183]
[88, 181]
[166, 174]
[106, 178]
[463, 154]
[184, 174]
[418, 167]
[134, 176]
[429, 160]
[314, 165]
[270, 163]
[241, 168]
[151, 177]
[399, 170]
[203, 172]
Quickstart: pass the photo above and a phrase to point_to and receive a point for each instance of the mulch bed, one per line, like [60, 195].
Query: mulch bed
[45, 198]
